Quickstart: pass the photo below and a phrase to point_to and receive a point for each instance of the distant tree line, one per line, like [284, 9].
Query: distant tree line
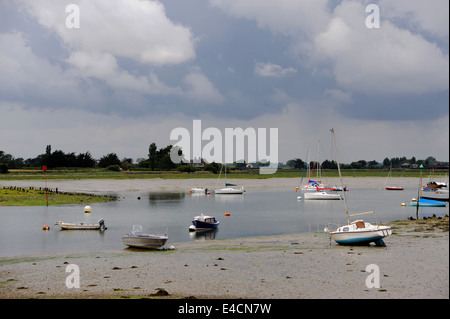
[159, 160]
[395, 162]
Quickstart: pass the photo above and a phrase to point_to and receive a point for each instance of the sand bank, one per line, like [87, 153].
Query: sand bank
[414, 264]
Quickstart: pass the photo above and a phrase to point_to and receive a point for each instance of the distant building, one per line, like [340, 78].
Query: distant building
[196, 163]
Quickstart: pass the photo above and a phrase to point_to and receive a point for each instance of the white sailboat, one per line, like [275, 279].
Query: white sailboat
[229, 189]
[357, 232]
[316, 190]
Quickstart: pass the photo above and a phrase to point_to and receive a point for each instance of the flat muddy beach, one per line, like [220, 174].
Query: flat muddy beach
[414, 264]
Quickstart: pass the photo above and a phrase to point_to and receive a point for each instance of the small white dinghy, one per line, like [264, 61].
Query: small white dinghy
[138, 239]
[82, 226]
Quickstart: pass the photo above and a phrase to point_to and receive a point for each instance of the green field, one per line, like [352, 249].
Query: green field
[19, 196]
[77, 174]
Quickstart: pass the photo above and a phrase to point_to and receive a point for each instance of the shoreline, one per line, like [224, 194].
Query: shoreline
[414, 264]
[108, 186]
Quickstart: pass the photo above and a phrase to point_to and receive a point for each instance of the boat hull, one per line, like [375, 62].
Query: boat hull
[321, 196]
[428, 203]
[81, 226]
[145, 241]
[361, 237]
[229, 191]
[394, 188]
[202, 225]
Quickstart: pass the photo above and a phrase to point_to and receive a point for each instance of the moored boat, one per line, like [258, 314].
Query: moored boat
[82, 226]
[138, 239]
[204, 222]
[357, 232]
[360, 232]
[424, 202]
[394, 188]
[199, 190]
[230, 190]
[321, 196]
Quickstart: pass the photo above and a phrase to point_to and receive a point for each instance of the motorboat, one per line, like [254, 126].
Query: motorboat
[82, 226]
[199, 190]
[138, 239]
[321, 196]
[357, 232]
[204, 222]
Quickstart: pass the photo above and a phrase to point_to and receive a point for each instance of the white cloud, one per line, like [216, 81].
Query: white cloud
[272, 70]
[199, 88]
[23, 72]
[378, 61]
[388, 60]
[104, 66]
[431, 16]
[134, 29]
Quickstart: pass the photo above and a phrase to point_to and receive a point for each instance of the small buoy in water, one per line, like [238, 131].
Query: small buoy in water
[87, 209]
[227, 214]
[139, 198]
[192, 228]
[403, 204]
[299, 197]
[45, 227]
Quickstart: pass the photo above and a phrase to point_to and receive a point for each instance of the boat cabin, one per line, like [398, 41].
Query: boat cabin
[356, 225]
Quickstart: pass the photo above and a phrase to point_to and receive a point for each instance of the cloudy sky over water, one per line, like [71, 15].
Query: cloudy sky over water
[135, 70]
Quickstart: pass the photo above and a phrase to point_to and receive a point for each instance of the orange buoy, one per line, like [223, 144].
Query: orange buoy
[227, 214]
[45, 227]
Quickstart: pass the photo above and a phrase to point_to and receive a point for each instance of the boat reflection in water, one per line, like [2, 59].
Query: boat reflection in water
[204, 234]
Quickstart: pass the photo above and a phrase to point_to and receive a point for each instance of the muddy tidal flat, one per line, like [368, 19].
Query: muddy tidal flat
[413, 265]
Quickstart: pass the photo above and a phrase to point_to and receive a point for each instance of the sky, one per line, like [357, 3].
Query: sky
[118, 75]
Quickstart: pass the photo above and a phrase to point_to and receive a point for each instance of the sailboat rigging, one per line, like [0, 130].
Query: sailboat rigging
[357, 232]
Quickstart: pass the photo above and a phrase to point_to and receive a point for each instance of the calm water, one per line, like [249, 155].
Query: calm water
[259, 212]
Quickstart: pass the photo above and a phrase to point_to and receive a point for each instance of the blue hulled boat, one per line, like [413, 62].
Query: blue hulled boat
[204, 222]
[423, 202]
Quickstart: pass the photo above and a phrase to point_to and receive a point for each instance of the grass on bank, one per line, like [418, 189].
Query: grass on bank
[96, 173]
[35, 197]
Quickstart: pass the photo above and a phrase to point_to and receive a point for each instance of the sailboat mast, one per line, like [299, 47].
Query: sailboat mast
[340, 177]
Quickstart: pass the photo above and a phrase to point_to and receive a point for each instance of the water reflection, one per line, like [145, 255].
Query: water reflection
[165, 198]
[206, 234]
[259, 212]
